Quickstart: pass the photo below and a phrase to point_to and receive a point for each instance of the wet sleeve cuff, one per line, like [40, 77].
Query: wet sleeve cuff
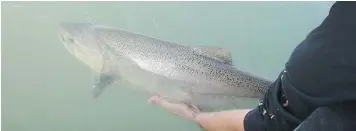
[253, 121]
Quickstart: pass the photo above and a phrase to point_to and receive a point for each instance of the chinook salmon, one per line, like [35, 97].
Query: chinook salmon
[202, 77]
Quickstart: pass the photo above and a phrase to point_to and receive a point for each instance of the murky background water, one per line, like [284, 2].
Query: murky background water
[45, 88]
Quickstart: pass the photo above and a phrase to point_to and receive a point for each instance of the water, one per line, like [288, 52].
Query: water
[45, 88]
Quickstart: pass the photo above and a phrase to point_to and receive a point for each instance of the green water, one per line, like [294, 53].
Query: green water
[44, 88]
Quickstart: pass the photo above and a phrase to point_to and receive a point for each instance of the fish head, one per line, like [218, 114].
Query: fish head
[80, 41]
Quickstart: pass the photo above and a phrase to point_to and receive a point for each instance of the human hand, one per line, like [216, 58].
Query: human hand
[155, 99]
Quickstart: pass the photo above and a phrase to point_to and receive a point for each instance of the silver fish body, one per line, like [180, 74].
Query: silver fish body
[203, 77]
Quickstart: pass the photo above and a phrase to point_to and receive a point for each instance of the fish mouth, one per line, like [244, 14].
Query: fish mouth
[64, 39]
[61, 34]
[68, 44]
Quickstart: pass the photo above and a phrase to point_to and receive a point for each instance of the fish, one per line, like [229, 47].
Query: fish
[201, 77]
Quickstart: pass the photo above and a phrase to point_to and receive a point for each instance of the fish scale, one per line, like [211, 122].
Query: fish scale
[195, 75]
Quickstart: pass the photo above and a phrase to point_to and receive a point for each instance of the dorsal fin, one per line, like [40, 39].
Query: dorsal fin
[219, 54]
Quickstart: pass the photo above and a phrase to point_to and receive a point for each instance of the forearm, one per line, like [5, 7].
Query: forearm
[232, 120]
[178, 109]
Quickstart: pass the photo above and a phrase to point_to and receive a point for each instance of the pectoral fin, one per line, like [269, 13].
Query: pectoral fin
[219, 54]
[101, 83]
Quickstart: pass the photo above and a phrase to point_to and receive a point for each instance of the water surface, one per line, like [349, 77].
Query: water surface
[45, 88]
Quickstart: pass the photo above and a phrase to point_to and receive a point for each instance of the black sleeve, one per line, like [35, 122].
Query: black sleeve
[341, 117]
[322, 69]
[320, 72]
[270, 115]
